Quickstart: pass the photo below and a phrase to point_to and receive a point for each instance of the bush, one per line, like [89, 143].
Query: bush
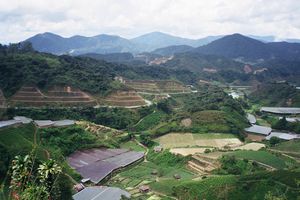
[274, 141]
[207, 151]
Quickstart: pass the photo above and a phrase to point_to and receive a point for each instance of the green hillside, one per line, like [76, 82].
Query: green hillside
[276, 94]
[21, 66]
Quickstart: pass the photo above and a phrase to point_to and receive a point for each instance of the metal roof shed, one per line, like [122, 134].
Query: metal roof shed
[281, 110]
[24, 120]
[283, 136]
[262, 130]
[101, 193]
[251, 118]
[66, 122]
[43, 123]
[9, 123]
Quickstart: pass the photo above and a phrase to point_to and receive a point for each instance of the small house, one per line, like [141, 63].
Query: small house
[78, 187]
[154, 172]
[158, 149]
[177, 176]
[144, 188]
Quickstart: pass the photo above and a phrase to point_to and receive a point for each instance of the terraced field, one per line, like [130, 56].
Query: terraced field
[157, 87]
[262, 157]
[176, 140]
[64, 96]
[202, 164]
[204, 187]
[125, 99]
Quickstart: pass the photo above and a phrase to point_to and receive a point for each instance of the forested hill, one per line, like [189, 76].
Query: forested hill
[20, 65]
[240, 46]
[197, 62]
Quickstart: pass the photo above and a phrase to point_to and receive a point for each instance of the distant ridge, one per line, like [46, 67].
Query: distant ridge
[107, 44]
[52, 43]
[171, 50]
[242, 47]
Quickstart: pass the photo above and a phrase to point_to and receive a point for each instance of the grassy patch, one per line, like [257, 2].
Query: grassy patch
[132, 145]
[210, 188]
[175, 140]
[261, 156]
[291, 146]
[213, 136]
[150, 121]
[20, 140]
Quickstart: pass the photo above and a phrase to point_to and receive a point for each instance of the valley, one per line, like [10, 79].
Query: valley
[180, 122]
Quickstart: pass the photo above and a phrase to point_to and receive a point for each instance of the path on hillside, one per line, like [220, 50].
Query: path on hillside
[36, 144]
[285, 153]
[146, 148]
[34, 135]
[264, 165]
[143, 118]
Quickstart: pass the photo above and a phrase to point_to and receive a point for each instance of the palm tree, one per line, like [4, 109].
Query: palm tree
[48, 171]
[21, 169]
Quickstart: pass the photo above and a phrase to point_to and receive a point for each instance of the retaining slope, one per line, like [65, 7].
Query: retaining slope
[60, 96]
[157, 87]
[124, 99]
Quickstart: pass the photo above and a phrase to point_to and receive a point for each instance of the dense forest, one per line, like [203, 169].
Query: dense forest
[20, 65]
[276, 94]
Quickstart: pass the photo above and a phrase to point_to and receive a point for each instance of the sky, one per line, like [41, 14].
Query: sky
[21, 19]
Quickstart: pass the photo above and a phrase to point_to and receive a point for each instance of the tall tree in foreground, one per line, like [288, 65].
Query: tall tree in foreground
[32, 179]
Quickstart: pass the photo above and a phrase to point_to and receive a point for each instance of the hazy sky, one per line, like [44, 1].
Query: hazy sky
[20, 19]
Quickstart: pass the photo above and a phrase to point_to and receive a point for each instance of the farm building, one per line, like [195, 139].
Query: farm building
[261, 130]
[101, 193]
[251, 118]
[96, 164]
[8, 123]
[78, 187]
[283, 136]
[144, 188]
[50, 123]
[23, 119]
[16, 121]
[158, 149]
[292, 119]
[62, 123]
[280, 110]
[177, 176]
[43, 123]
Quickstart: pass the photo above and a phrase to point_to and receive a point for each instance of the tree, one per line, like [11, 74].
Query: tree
[274, 141]
[30, 181]
[281, 124]
[4, 162]
[145, 139]
[164, 106]
[271, 196]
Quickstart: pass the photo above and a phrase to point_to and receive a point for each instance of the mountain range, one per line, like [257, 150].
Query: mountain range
[243, 48]
[105, 44]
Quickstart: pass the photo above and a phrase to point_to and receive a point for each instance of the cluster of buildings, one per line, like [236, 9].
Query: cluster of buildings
[18, 120]
[101, 193]
[264, 132]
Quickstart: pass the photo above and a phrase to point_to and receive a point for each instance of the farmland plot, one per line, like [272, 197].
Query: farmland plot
[176, 140]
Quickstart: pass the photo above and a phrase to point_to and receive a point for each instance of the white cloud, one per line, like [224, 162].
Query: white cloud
[189, 18]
